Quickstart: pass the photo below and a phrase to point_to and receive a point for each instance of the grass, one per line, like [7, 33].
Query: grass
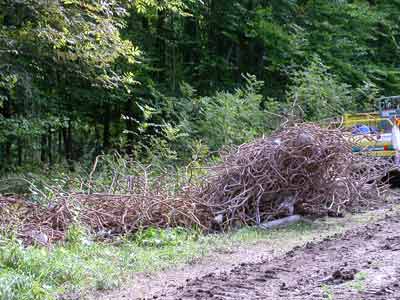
[328, 293]
[359, 282]
[80, 264]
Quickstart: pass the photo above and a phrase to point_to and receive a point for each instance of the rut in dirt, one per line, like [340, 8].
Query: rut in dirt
[363, 263]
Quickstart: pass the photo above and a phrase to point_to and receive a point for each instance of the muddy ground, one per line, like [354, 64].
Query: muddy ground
[359, 261]
[362, 263]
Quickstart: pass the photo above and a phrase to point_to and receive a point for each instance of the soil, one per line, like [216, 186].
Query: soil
[148, 285]
[362, 263]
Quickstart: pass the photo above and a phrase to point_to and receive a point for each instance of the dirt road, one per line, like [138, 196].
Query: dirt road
[363, 263]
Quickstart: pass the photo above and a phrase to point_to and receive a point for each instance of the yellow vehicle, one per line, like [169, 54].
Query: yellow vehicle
[376, 133]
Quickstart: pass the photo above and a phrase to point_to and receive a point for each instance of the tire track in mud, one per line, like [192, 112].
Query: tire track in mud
[362, 263]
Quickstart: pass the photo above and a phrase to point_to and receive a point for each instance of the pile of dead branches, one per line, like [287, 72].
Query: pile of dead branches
[104, 215]
[121, 214]
[303, 169]
[32, 222]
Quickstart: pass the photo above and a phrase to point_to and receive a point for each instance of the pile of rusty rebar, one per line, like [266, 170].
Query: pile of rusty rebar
[303, 169]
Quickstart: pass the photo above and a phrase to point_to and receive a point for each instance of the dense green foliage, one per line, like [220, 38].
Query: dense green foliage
[149, 78]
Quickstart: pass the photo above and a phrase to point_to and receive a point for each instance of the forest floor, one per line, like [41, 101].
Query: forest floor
[357, 257]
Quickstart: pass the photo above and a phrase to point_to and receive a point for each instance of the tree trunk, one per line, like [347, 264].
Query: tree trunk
[20, 153]
[65, 138]
[190, 54]
[43, 146]
[69, 141]
[130, 127]
[106, 127]
[7, 154]
[67, 135]
[160, 43]
[50, 147]
[60, 144]
[7, 112]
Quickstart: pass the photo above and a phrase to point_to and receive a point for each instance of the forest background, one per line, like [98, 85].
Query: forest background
[168, 81]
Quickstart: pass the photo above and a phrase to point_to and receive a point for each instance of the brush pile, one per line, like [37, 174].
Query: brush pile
[303, 169]
[104, 215]
[34, 223]
[120, 214]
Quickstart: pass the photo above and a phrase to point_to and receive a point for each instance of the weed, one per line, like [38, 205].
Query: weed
[359, 282]
[328, 293]
[155, 237]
